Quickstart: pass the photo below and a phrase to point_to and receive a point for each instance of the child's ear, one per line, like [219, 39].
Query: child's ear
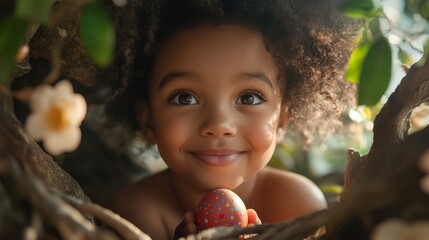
[145, 122]
[283, 122]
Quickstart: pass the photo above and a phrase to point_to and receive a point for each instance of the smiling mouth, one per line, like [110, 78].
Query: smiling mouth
[217, 158]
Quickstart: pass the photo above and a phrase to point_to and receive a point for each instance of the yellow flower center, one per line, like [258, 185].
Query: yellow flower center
[56, 119]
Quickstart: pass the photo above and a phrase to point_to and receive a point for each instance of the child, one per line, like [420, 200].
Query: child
[216, 91]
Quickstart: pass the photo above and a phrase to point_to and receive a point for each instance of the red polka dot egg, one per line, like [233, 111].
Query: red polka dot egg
[220, 207]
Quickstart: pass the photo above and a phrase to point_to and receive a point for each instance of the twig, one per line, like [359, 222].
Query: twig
[124, 228]
[55, 62]
[69, 222]
[228, 232]
[33, 231]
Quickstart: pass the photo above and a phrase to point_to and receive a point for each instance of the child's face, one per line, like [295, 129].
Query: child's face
[215, 105]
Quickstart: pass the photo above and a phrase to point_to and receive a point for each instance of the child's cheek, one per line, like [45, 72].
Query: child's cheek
[262, 137]
[265, 133]
[172, 132]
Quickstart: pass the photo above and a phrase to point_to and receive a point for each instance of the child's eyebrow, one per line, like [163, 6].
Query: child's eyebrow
[260, 76]
[170, 77]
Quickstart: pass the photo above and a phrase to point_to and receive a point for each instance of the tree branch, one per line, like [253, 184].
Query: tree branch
[392, 124]
[124, 228]
[27, 152]
[68, 221]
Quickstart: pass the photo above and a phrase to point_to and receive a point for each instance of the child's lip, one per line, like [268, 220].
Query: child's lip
[216, 152]
[217, 157]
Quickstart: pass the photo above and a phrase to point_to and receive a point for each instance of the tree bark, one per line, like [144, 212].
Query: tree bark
[391, 126]
[29, 155]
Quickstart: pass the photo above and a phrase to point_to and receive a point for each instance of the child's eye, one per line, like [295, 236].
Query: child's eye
[250, 99]
[183, 99]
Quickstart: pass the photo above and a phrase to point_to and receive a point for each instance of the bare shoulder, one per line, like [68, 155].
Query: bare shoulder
[284, 195]
[142, 203]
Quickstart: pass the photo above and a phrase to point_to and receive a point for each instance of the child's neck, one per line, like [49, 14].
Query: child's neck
[188, 197]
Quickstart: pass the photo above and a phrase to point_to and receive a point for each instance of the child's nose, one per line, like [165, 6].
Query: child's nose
[218, 123]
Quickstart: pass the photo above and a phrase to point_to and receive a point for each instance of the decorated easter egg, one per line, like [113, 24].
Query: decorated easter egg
[220, 207]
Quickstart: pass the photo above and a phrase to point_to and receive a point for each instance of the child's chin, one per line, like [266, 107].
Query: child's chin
[211, 185]
[210, 179]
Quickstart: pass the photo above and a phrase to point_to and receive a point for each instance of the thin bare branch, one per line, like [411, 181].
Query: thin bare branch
[125, 229]
[69, 222]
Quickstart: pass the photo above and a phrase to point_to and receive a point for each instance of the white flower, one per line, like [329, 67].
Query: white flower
[396, 229]
[56, 117]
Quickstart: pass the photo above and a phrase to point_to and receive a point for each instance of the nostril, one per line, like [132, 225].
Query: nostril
[218, 130]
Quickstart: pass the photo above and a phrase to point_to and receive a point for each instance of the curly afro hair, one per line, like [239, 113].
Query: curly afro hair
[310, 41]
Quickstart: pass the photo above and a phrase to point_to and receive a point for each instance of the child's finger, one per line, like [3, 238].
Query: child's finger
[186, 227]
[189, 216]
[252, 217]
[190, 226]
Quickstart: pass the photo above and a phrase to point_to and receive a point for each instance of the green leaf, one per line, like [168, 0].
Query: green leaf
[360, 9]
[422, 60]
[376, 73]
[35, 10]
[374, 27]
[356, 61]
[405, 57]
[97, 33]
[423, 8]
[366, 34]
[12, 36]
[332, 189]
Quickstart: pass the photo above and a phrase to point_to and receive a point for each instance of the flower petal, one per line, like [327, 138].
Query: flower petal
[76, 110]
[35, 126]
[65, 141]
[64, 87]
[41, 98]
[75, 136]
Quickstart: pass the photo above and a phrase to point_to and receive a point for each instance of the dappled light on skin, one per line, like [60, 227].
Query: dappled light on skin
[272, 126]
[57, 113]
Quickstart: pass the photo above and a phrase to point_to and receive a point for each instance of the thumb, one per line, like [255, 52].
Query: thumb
[252, 217]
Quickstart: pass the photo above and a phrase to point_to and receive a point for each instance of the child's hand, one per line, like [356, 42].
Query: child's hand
[186, 227]
[252, 217]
